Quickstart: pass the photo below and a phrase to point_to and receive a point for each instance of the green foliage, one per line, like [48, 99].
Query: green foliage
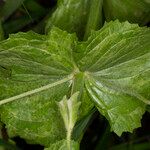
[135, 11]
[110, 71]
[83, 16]
[51, 85]
[79, 16]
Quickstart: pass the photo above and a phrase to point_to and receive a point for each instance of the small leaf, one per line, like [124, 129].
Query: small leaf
[69, 110]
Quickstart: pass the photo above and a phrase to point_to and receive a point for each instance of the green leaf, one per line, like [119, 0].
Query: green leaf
[79, 16]
[32, 60]
[117, 61]
[69, 110]
[70, 15]
[37, 71]
[95, 19]
[110, 70]
[135, 11]
[62, 145]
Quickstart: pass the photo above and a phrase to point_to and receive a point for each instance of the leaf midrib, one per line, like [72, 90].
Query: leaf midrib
[37, 90]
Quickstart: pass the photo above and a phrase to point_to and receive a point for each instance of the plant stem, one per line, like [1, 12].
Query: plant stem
[69, 139]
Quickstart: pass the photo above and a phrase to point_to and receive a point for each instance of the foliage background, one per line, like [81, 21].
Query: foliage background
[24, 15]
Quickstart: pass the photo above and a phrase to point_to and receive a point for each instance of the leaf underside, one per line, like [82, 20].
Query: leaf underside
[110, 70]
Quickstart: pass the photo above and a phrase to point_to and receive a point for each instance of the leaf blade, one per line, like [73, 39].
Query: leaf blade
[123, 50]
[33, 65]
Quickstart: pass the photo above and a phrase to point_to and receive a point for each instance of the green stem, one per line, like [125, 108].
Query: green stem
[29, 93]
[69, 139]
